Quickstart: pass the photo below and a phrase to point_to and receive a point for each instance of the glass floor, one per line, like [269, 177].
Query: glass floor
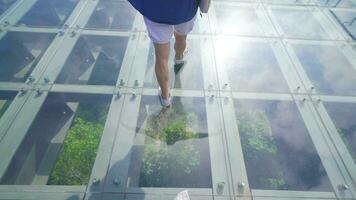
[264, 109]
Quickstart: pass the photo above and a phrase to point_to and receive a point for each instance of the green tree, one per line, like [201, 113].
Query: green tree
[74, 164]
[260, 150]
[170, 155]
[75, 161]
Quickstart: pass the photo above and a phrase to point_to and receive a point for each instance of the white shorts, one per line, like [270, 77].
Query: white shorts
[162, 33]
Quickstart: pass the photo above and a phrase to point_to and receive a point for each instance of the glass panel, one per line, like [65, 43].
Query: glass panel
[189, 77]
[171, 146]
[338, 3]
[327, 68]
[60, 147]
[5, 4]
[111, 14]
[95, 60]
[278, 151]
[49, 13]
[250, 65]
[347, 19]
[343, 116]
[308, 26]
[238, 20]
[5, 101]
[20, 53]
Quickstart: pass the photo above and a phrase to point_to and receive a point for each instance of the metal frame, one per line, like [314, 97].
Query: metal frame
[225, 148]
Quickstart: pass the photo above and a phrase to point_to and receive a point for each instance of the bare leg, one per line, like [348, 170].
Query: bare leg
[161, 68]
[180, 45]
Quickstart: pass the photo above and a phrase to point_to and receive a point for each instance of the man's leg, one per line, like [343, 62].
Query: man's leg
[180, 45]
[161, 68]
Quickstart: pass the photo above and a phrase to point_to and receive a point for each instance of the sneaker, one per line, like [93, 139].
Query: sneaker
[179, 63]
[165, 102]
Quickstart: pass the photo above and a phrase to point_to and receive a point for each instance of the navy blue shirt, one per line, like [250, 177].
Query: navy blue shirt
[171, 12]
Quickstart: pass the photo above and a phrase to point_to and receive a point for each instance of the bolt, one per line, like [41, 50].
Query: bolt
[241, 184]
[31, 79]
[118, 94]
[60, 33]
[136, 83]
[23, 91]
[343, 187]
[212, 96]
[73, 33]
[134, 94]
[39, 91]
[304, 100]
[46, 80]
[117, 181]
[122, 83]
[221, 186]
[318, 100]
[297, 88]
[96, 181]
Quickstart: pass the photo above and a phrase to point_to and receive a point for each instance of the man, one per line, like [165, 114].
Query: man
[163, 19]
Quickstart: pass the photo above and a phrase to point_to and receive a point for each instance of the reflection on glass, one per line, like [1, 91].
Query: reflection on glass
[308, 26]
[288, 1]
[5, 4]
[5, 101]
[343, 116]
[189, 77]
[338, 3]
[111, 14]
[60, 147]
[278, 151]
[20, 53]
[49, 13]
[347, 19]
[238, 20]
[327, 68]
[95, 60]
[250, 66]
[171, 145]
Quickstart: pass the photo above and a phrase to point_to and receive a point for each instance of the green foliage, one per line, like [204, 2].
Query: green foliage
[260, 150]
[170, 156]
[74, 164]
[93, 113]
[274, 182]
[256, 134]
